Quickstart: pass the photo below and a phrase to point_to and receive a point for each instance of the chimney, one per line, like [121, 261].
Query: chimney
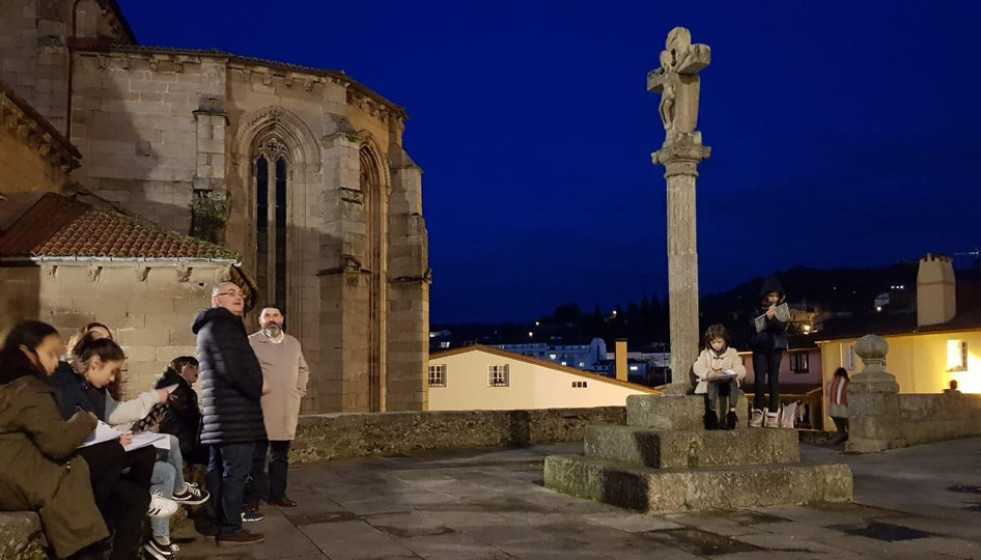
[621, 359]
[936, 301]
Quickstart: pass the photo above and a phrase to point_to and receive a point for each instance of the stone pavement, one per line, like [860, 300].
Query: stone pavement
[921, 502]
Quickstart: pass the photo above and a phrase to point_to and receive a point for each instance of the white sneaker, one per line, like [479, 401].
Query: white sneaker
[161, 507]
[158, 551]
[772, 420]
[757, 419]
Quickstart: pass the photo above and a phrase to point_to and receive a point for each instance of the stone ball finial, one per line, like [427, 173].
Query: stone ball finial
[872, 349]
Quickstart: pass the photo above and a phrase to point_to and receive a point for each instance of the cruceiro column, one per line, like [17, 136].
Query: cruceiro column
[678, 83]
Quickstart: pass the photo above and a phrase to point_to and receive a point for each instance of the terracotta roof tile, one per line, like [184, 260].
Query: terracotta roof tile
[56, 226]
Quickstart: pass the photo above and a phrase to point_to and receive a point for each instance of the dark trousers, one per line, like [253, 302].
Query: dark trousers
[228, 472]
[766, 369]
[270, 470]
[123, 499]
[841, 424]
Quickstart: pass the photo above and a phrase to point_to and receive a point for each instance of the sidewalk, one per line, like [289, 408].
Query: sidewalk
[917, 503]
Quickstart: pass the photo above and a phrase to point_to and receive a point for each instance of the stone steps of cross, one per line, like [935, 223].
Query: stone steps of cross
[693, 449]
[680, 490]
[675, 412]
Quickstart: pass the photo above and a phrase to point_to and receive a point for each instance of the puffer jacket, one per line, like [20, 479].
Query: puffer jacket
[774, 334]
[231, 380]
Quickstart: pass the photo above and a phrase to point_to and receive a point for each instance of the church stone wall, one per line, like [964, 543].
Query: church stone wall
[150, 316]
[34, 54]
[23, 167]
[133, 120]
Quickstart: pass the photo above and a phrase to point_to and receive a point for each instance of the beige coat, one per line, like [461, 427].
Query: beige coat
[708, 361]
[285, 373]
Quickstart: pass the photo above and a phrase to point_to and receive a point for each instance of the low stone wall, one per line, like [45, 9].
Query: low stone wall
[20, 536]
[929, 418]
[338, 436]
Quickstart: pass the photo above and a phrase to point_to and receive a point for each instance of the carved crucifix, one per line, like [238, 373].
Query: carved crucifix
[677, 81]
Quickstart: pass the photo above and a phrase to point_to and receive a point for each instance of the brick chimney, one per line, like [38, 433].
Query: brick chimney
[936, 301]
[621, 359]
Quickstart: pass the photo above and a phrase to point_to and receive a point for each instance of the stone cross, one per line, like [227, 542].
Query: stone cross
[678, 82]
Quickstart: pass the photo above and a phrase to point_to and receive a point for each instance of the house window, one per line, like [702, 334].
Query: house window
[956, 355]
[799, 362]
[579, 384]
[437, 375]
[498, 376]
[848, 357]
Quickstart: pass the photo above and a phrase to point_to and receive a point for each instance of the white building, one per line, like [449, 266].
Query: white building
[484, 378]
[582, 356]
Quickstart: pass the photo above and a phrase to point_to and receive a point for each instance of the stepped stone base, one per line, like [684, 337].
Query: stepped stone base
[675, 412]
[661, 449]
[678, 490]
[21, 537]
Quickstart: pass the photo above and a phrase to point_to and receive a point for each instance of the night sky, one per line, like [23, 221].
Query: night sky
[843, 133]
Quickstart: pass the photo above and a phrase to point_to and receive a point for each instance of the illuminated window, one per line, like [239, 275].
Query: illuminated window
[437, 375]
[498, 376]
[956, 355]
[799, 362]
[579, 384]
[848, 357]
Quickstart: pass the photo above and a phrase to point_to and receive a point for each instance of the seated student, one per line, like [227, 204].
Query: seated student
[98, 362]
[182, 415]
[167, 480]
[39, 467]
[720, 371]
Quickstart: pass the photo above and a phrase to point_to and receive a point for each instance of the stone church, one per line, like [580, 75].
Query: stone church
[299, 172]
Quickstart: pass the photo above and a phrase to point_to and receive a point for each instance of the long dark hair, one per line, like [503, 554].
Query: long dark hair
[105, 349]
[14, 363]
[842, 372]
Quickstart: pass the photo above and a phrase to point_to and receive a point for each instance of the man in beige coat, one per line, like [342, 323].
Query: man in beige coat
[285, 375]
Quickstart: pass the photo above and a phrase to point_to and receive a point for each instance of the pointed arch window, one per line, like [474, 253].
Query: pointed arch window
[271, 222]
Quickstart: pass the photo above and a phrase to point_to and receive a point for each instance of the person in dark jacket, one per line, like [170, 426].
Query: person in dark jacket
[768, 344]
[232, 424]
[182, 415]
[39, 466]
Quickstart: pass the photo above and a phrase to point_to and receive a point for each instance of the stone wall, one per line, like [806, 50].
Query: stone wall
[341, 436]
[929, 418]
[150, 316]
[24, 169]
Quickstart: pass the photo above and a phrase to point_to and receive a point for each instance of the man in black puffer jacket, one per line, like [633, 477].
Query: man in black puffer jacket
[231, 392]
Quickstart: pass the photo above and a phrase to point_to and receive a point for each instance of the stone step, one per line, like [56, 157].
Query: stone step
[679, 490]
[675, 412]
[678, 449]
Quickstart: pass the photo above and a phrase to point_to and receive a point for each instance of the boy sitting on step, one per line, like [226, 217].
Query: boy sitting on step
[720, 371]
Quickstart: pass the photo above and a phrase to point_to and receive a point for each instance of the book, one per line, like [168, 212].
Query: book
[782, 315]
[104, 432]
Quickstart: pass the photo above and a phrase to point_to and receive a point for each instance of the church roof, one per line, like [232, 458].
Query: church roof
[247, 60]
[54, 226]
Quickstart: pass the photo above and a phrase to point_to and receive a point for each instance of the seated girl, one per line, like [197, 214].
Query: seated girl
[40, 469]
[720, 371]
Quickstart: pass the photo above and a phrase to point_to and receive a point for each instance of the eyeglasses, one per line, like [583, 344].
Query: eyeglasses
[233, 294]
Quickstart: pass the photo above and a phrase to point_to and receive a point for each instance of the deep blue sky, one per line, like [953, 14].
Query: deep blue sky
[844, 133]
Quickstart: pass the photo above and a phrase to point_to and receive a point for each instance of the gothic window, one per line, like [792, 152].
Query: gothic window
[271, 199]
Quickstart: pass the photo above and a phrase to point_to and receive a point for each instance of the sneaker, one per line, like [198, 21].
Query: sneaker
[241, 537]
[772, 420]
[731, 420]
[160, 506]
[711, 420]
[283, 503]
[192, 495]
[251, 514]
[159, 551]
[757, 420]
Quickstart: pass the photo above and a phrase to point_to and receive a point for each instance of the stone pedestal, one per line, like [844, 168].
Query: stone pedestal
[664, 461]
[875, 421]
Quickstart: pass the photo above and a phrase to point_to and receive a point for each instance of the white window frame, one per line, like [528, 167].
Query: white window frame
[956, 355]
[498, 375]
[848, 357]
[802, 357]
[437, 372]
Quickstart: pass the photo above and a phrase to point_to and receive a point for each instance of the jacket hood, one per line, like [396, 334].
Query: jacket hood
[207, 315]
[772, 284]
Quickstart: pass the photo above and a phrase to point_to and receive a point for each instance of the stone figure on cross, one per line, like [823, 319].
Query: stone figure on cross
[678, 82]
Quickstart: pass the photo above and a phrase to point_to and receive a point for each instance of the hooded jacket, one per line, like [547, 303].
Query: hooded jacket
[39, 469]
[182, 417]
[231, 380]
[774, 334]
